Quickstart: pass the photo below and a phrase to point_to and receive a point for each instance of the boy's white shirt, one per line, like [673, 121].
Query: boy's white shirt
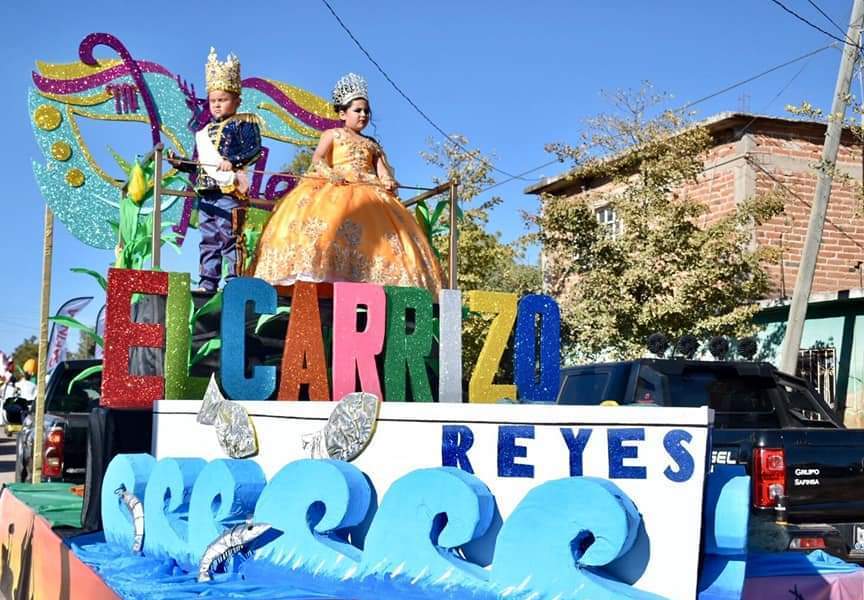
[210, 158]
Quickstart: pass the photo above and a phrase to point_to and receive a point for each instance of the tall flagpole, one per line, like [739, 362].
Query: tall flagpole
[39, 404]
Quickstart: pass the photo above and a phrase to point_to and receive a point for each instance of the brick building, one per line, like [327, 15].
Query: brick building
[754, 154]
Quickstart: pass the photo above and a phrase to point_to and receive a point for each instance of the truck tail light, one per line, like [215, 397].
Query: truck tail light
[807, 543]
[52, 458]
[769, 476]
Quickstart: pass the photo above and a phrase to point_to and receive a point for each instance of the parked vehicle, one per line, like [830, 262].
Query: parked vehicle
[807, 469]
[64, 455]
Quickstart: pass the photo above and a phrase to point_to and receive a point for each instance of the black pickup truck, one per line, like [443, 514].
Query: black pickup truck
[64, 432]
[807, 469]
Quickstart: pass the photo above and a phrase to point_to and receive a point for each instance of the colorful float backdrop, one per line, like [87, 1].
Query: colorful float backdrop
[82, 193]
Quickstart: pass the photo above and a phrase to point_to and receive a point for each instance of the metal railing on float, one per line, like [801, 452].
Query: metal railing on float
[156, 156]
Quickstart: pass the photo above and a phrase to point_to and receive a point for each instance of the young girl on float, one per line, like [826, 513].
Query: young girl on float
[343, 221]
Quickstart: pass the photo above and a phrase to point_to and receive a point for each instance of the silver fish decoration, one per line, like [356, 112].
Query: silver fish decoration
[240, 539]
[348, 430]
[234, 427]
[136, 510]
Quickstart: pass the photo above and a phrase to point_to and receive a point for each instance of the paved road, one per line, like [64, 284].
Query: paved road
[7, 458]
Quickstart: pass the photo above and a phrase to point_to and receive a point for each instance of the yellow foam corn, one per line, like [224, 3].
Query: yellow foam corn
[137, 184]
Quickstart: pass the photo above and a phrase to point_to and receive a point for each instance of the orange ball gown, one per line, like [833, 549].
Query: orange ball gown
[356, 231]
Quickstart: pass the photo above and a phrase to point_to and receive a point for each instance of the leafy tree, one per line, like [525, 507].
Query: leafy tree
[484, 261]
[299, 163]
[28, 348]
[662, 271]
[86, 348]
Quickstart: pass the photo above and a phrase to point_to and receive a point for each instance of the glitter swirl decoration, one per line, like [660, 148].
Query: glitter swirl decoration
[85, 53]
[85, 194]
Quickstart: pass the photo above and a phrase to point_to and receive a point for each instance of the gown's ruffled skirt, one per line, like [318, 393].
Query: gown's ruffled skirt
[359, 232]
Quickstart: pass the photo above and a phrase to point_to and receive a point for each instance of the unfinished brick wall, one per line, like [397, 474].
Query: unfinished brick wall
[781, 156]
[716, 185]
[786, 164]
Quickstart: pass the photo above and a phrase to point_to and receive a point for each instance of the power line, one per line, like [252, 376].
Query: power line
[408, 99]
[813, 25]
[808, 55]
[753, 162]
[717, 93]
[16, 325]
[792, 192]
[832, 21]
[757, 76]
[522, 174]
[777, 95]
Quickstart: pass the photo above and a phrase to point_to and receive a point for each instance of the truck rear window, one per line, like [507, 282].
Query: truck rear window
[804, 409]
[584, 388]
[739, 401]
[592, 384]
[83, 396]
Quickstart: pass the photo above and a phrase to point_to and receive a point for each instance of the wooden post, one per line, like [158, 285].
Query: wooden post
[428, 193]
[41, 375]
[156, 247]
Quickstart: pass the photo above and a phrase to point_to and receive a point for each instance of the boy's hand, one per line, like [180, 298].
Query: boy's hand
[226, 165]
[173, 159]
[241, 183]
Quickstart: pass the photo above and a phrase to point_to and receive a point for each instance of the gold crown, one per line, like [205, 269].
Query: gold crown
[224, 76]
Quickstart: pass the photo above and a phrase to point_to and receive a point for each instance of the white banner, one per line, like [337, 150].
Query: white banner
[100, 330]
[657, 456]
[59, 333]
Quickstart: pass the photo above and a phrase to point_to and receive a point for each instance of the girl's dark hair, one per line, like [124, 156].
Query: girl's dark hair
[340, 107]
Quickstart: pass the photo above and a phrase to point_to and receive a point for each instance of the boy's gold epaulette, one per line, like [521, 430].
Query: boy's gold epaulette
[248, 118]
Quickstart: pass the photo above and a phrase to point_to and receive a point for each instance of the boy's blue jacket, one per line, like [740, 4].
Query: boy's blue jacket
[238, 139]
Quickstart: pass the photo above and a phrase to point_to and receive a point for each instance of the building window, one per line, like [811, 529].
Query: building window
[608, 218]
[818, 365]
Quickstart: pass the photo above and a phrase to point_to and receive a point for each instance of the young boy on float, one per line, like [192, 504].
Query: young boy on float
[225, 147]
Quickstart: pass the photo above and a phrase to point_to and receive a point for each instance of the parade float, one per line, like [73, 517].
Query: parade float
[359, 460]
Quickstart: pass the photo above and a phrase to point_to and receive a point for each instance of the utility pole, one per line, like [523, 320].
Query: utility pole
[825, 176]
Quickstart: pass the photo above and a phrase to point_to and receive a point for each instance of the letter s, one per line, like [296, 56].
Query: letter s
[672, 441]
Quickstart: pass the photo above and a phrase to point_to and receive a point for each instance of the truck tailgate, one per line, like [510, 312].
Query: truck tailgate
[75, 445]
[825, 475]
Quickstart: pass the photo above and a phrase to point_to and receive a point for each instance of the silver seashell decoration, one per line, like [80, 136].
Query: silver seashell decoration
[234, 427]
[348, 430]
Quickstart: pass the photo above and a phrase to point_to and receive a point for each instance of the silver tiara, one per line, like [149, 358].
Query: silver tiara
[348, 88]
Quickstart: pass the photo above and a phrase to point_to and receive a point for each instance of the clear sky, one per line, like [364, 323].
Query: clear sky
[510, 75]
